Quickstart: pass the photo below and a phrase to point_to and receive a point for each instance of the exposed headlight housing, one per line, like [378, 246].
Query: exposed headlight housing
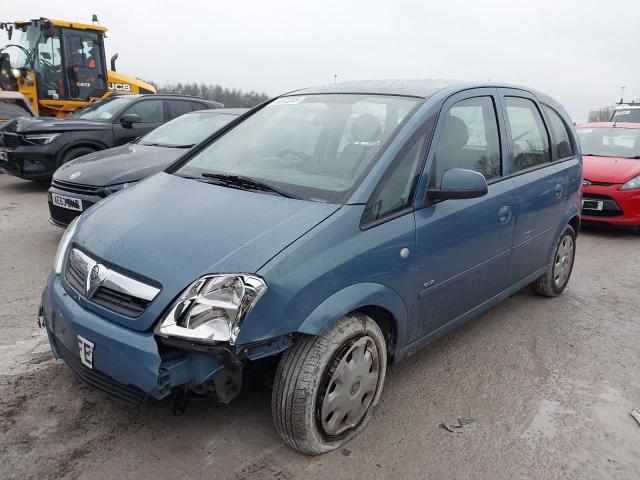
[111, 189]
[212, 308]
[42, 139]
[631, 184]
[63, 246]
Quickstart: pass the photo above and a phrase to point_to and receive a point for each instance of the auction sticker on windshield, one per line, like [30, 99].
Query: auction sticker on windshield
[66, 202]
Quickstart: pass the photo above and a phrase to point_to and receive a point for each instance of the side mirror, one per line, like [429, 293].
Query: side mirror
[460, 183]
[129, 119]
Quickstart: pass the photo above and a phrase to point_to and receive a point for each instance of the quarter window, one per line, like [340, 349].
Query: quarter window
[528, 134]
[149, 110]
[396, 190]
[560, 134]
[469, 139]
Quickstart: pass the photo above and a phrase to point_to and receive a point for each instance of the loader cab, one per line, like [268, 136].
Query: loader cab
[66, 59]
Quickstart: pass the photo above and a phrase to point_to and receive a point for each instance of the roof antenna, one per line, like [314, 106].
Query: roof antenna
[621, 95]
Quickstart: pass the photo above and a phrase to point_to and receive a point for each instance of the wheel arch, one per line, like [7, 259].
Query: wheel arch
[95, 144]
[385, 306]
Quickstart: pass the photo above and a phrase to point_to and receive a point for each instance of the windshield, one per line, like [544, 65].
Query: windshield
[629, 115]
[187, 130]
[103, 110]
[610, 142]
[316, 147]
[12, 108]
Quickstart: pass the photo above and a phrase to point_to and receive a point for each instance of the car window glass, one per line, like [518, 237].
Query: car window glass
[560, 133]
[198, 106]
[178, 107]
[528, 134]
[149, 110]
[469, 139]
[396, 190]
[297, 143]
[610, 142]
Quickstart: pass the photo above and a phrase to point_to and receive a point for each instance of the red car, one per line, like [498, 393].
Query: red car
[611, 173]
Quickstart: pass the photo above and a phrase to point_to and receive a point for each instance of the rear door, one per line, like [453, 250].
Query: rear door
[541, 182]
[463, 247]
[152, 114]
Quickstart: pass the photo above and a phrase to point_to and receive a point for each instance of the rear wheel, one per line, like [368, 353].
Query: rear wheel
[326, 388]
[560, 266]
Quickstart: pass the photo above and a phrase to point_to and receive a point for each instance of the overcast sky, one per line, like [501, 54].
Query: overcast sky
[579, 51]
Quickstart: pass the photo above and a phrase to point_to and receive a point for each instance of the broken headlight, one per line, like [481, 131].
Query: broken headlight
[212, 308]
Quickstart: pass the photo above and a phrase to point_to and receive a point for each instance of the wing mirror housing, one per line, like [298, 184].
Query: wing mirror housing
[459, 183]
[129, 119]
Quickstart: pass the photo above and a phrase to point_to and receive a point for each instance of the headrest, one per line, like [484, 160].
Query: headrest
[455, 134]
[366, 128]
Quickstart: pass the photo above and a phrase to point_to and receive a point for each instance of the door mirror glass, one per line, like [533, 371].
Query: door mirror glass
[129, 119]
[460, 183]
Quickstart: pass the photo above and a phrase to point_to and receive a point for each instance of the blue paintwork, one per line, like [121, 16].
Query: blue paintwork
[317, 259]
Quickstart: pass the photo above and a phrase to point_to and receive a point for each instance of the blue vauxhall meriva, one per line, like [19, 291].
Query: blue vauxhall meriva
[327, 233]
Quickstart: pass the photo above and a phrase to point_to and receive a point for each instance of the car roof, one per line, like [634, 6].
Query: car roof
[227, 111]
[134, 96]
[410, 87]
[633, 126]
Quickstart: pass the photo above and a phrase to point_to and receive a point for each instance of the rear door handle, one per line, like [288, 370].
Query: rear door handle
[504, 215]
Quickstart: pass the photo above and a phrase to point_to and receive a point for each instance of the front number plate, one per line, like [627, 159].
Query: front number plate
[4, 156]
[66, 202]
[86, 351]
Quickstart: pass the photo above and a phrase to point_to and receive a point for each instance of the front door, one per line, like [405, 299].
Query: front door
[464, 246]
[85, 66]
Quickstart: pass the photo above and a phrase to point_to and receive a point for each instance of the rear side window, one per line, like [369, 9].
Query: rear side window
[469, 139]
[198, 106]
[395, 193]
[528, 133]
[560, 134]
[178, 107]
[149, 110]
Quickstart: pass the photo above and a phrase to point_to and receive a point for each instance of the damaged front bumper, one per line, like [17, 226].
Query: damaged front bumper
[131, 365]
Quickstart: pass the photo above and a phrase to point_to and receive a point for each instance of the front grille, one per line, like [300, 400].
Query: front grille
[598, 184]
[63, 216]
[94, 379]
[10, 140]
[120, 302]
[609, 207]
[76, 187]
[107, 287]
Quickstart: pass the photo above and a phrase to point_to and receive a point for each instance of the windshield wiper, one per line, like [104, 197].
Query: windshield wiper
[241, 182]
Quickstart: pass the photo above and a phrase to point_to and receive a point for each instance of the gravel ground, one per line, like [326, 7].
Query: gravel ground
[547, 386]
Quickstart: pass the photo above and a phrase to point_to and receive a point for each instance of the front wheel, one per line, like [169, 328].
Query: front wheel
[327, 387]
[560, 266]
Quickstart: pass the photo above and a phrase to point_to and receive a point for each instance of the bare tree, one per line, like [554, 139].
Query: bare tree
[601, 114]
[230, 97]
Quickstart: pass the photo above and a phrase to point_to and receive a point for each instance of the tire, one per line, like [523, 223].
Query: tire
[305, 376]
[75, 153]
[560, 266]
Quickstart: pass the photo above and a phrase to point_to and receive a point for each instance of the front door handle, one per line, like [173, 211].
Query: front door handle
[504, 215]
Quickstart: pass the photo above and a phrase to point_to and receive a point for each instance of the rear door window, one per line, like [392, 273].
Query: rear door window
[178, 107]
[561, 137]
[528, 133]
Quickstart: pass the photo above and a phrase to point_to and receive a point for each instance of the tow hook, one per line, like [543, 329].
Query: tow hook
[180, 400]
[41, 317]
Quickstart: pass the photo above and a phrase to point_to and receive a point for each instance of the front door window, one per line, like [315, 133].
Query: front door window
[84, 64]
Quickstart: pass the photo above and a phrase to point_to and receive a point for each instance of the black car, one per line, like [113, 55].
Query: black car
[34, 148]
[84, 181]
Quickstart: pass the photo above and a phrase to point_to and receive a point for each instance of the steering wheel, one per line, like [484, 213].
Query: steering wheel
[296, 153]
